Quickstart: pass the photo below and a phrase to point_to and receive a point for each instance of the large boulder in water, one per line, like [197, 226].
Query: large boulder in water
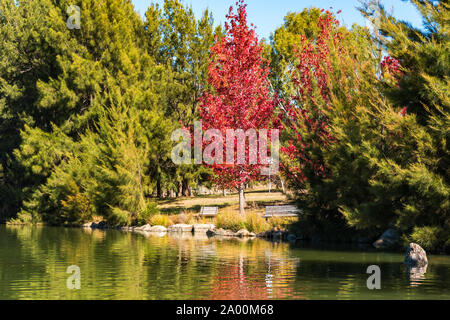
[416, 257]
[387, 240]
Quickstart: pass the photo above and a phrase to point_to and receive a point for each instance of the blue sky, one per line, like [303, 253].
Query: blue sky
[268, 15]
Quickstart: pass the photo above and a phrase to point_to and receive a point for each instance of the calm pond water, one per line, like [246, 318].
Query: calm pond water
[117, 265]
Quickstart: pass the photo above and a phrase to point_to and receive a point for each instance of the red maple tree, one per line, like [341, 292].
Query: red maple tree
[304, 117]
[240, 98]
[324, 65]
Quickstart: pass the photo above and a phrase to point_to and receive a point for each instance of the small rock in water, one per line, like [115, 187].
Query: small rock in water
[291, 237]
[416, 257]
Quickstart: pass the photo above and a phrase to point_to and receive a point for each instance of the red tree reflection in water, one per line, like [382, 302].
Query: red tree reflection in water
[241, 279]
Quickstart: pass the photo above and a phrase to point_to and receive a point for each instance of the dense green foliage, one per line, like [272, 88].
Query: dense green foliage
[424, 90]
[87, 114]
[285, 43]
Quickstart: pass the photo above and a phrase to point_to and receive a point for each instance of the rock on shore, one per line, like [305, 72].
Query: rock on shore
[158, 229]
[93, 225]
[149, 228]
[198, 229]
[387, 240]
[245, 233]
[220, 233]
[228, 233]
[203, 228]
[277, 234]
[180, 228]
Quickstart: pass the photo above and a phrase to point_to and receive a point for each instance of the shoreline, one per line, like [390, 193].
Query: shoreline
[222, 234]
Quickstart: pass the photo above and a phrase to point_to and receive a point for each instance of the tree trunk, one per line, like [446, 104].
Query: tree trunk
[282, 186]
[158, 188]
[186, 188]
[180, 189]
[224, 192]
[241, 199]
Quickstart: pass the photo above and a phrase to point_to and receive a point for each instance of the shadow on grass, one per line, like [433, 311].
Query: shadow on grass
[261, 204]
[203, 196]
[264, 191]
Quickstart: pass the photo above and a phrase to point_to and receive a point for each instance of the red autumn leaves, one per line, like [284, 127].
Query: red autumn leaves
[305, 112]
[241, 97]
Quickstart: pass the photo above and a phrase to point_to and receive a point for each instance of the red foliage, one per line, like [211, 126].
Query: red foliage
[306, 111]
[403, 111]
[391, 66]
[241, 98]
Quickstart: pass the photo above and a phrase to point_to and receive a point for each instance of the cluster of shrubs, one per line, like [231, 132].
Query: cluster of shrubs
[168, 220]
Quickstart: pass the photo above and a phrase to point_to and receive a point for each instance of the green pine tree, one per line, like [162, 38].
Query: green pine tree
[181, 43]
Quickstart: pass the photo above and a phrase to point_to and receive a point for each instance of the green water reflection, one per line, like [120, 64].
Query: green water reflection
[117, 265]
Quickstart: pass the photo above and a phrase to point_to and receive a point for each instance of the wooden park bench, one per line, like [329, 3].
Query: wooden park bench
[281, 211]
[208, 211]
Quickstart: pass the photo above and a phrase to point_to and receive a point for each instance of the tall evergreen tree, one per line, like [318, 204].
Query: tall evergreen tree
[95, 68]
[362, 158]
[32, 36]
[181, 43]
[419, 85]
